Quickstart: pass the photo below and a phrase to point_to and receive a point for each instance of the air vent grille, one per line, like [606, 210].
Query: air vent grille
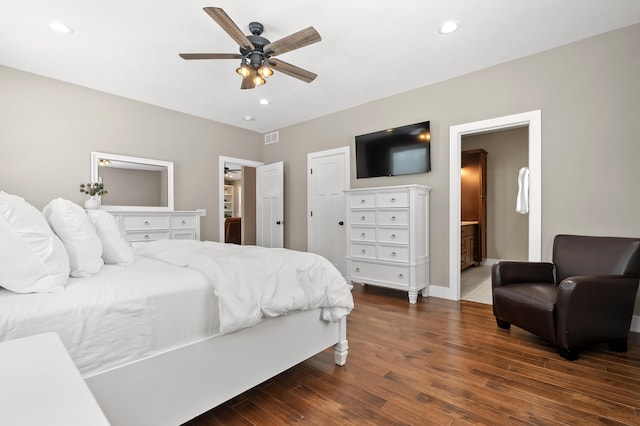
[270, 138]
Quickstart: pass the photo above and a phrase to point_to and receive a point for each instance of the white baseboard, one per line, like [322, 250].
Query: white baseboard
[635, 323]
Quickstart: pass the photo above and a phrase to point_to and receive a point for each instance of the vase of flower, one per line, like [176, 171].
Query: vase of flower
[93, 203]
[95, 191]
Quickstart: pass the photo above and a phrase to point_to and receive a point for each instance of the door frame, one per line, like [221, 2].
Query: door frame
[532, 119]
[221, 162]
[346, 150]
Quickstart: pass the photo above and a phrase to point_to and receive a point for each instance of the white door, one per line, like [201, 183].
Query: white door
[270, 205]
[328, 177]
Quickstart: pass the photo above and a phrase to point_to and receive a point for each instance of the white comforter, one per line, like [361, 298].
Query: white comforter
[253, 282]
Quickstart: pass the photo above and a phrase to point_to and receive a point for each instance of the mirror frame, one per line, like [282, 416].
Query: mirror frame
[95, 175]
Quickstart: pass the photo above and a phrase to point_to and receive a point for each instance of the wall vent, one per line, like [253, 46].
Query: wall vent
[271, 138]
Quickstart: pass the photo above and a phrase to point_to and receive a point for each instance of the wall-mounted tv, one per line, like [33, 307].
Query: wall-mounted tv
[402, 150]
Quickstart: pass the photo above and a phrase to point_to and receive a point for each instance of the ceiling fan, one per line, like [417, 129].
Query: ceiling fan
[256, 55]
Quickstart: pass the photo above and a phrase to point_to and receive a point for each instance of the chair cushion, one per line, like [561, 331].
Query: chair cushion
[530, 306]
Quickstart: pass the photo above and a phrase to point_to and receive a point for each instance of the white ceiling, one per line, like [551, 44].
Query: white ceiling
[369, 49]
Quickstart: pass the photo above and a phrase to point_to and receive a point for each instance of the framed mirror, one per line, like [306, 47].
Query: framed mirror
[133, 183]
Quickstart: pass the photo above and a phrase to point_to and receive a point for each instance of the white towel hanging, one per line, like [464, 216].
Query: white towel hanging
[522, 200]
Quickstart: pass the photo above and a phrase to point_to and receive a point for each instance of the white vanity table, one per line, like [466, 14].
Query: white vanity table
[126, 178]
[161, 225]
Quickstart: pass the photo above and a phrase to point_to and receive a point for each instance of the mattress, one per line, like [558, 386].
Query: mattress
[120, 315]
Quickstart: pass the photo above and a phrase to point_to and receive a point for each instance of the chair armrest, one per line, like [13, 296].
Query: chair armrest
[590, 308]
[503, 273]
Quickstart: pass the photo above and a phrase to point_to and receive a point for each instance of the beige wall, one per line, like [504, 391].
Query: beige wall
[507, 152]
[589, 96]
[48, 129]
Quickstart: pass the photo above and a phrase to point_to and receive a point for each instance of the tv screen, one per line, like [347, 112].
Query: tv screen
[403, 150]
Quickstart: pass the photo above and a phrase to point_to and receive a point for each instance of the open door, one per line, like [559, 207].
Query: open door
[270, 205]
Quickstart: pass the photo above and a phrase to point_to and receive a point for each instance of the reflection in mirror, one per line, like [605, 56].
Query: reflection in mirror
[133, 183]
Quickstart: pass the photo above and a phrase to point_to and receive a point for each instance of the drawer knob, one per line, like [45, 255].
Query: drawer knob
[146, 237]
[363, 251]
[362, 201]
[146, 222]
[363, 218]
[393, 253]
[357, 269]
[184, 222]
[363, 235]
[393, 200]
[393, 218]
[400, 276]
[393, 236]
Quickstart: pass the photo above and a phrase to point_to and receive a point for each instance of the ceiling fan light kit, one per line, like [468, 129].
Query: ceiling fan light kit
[256, 52]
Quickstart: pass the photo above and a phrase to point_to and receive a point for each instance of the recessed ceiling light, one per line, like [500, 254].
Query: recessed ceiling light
[264, 101]
[60, 27]
[449, 27]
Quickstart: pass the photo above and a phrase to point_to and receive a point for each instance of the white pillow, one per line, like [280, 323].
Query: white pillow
[32, 258]
[115, 249]
[69, 221]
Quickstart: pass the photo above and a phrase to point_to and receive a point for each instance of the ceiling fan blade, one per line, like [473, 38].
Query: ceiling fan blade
[247, 82]
[210, 56]
[229, 26]
[294, 41]
[292, 70]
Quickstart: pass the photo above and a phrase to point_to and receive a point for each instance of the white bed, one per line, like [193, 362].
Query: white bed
[177, 331]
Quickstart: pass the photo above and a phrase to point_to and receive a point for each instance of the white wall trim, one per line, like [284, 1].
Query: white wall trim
[221, 161]
[533, 120]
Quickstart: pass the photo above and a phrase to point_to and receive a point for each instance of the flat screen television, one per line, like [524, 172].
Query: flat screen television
[402, 150]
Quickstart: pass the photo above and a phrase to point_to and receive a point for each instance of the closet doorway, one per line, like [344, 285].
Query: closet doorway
[532, 121]
[237, 200]
[491, 229]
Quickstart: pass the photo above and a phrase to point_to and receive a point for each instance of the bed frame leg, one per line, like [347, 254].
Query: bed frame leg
[341, 349]
[340, 352]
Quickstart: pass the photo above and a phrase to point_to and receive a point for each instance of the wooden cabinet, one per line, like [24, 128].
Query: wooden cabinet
[467, 245]
[473, 197]
[228, 201]
[388, 238]
[150, 226]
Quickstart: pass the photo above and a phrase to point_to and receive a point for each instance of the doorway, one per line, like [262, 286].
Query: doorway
[532, 120]
[226, 165]
[491, 228]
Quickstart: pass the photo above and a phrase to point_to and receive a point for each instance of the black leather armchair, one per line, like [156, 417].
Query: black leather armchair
[587, 295]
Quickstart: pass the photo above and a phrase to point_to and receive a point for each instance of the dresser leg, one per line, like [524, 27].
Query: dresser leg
[413, 297]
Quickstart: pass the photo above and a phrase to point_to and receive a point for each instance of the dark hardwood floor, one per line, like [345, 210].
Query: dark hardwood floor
[442, 362]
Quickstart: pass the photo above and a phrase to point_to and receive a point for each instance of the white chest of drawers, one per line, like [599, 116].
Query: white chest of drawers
[388, 238]
[150, 226]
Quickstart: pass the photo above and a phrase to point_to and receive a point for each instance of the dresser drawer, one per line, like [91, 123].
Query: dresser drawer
[389, 235]
[397, 275]
[393, 199]
[145, 222]
[362, 201]
[393, 217]
[363, 234]
[184, 221]
[366, 217]
[147, 236]
[366, 251]
[394, 253]
[183, 235]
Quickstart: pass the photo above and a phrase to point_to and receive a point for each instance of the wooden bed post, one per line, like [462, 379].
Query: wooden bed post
[341, 349]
